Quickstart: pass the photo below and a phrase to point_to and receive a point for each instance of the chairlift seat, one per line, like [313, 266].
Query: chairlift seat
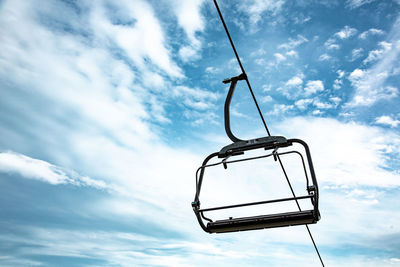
[262, 221]
[239, 147]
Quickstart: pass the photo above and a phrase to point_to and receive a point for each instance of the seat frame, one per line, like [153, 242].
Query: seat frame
[260, 221]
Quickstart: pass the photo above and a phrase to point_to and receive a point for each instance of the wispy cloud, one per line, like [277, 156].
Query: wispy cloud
[33, 168]
[292, 53]
[295, 81]
[192, 22]
[255, 8]
[369, 32]
[352, 4]
[356, 53]
[342, 160]
[337, 84]
[279, 57]
[302, 104]
[370, 88]
[196, 98]
[324, 57]
[313, 87]
[346, 32]
[144, 39]
[30, 168]
[331, 44]
[281, 109]
[292, 88]
[378, 53]
[372, 84]
[387, 120]
[293, 43]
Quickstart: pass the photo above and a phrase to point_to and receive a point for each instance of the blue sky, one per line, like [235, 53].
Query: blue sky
[107, 108]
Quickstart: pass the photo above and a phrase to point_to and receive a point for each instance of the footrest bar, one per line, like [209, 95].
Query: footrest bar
[256, 203]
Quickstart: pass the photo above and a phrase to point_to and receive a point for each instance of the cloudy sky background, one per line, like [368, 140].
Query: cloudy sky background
[108, 107]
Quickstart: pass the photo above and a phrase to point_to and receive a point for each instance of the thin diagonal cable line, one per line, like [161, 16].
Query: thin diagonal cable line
[298, 205]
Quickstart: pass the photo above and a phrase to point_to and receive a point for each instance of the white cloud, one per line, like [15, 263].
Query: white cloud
[189, 17]
[331, 44]
[387, 120]
[195, 98]
[292, 53]
[370, 86]
[317, 112]
[336, 100]
[379, 53]
[357, 74]
[352, 4]
[340, 73]
[302, 104]
[301, 19]
[292, 87]
[266, 99]
[188, 53]
[260, 61]
[32, 168]
[144, 39]
[356, 53]
[346, 32]
[347, 153]
[369, 32]
[266, 87]
[101, 109]
[293, 43]
[195, 93]
[191, 20]
[324, 57]
[295, 81]
[255, 8]
[279, 57]
[313, 87]
[15, 163]
[280, 109]
[337, 84]
[322, 105]
[258, 53]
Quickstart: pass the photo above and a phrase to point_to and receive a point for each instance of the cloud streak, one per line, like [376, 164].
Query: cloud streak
[30, 168]
[371, 85]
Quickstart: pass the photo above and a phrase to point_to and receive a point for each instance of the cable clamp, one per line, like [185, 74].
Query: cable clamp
[311, 189]
[242, 76]
[224, 162]
[195, 204]
[275, 153]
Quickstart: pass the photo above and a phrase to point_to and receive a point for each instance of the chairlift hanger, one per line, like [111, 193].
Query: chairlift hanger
[239, 147]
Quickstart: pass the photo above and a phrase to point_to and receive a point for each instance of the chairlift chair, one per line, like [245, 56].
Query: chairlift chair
[239, 147]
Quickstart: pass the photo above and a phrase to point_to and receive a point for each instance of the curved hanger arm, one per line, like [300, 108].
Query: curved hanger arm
[233, 82]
